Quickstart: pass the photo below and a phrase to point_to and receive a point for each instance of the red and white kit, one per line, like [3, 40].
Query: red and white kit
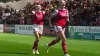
[38, 21]
[62, 17]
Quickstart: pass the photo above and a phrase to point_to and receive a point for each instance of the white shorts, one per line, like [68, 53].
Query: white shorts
[58, 28]
[38, 28]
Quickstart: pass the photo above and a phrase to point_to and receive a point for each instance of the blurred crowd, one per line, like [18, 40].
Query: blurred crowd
[81, 13]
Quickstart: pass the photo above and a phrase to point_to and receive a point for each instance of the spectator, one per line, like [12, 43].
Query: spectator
[82, 13]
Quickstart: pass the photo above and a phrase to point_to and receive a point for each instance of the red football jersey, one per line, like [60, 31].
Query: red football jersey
[62, 17]
[38, 18]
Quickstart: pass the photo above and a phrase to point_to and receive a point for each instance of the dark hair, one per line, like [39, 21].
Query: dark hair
[7, 11]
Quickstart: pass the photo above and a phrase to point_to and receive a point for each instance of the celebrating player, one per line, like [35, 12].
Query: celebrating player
[62, 17]
[38, 22]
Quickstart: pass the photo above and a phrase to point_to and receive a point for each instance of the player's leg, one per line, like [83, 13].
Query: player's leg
[35, 46]
[39, 36]
[54, 41]
[63, 38]
[37, 40]
[57, 40]
[60, 32]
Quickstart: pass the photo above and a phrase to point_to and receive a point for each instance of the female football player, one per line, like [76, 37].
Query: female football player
[62, 17]
[38, 21]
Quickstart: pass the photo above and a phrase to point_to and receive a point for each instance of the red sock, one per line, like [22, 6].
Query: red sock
[52, 43]
[35, 45]
[64, 47]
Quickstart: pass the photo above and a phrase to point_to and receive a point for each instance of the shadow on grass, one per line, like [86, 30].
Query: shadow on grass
[17, 53]
[14, 53]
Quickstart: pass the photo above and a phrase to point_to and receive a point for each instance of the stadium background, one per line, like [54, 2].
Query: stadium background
[12, 43]
[77, 32]
[84, 17]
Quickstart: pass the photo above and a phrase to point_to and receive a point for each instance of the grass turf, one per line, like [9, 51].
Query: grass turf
[20, 45]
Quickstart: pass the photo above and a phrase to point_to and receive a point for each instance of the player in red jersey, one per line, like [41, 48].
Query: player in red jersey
[62, 17]
[38, 21]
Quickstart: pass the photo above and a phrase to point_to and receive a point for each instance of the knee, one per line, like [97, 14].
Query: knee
[37, 39]
[64, 39]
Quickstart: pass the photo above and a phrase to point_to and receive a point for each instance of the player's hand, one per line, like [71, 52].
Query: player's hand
[51, 29]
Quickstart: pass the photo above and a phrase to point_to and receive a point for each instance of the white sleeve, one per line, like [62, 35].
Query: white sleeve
[55, 12]
[43, 12]
[33, 12]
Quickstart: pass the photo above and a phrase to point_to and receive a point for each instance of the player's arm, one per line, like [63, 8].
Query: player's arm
[50, 24]
[33, 13]
[52, 15]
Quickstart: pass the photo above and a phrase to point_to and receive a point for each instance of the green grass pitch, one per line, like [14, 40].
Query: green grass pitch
[20, 45]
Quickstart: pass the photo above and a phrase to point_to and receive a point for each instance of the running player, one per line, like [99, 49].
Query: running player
[62, 17]
[38, 21]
